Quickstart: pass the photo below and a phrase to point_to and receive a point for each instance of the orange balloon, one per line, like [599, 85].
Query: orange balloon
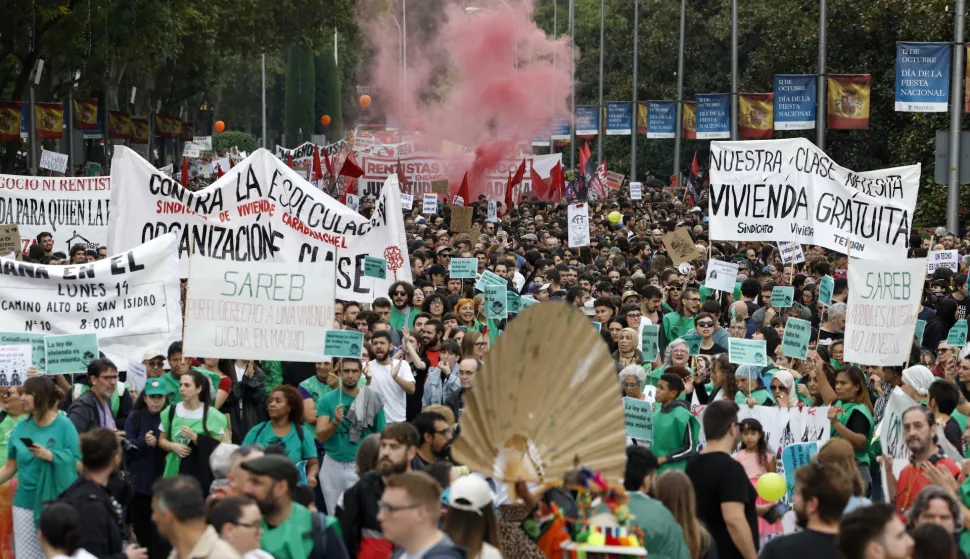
[325, 120]
[365, 101]
[220, 126]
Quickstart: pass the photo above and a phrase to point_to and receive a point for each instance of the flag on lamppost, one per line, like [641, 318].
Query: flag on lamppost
[756, 115]
[848, 102]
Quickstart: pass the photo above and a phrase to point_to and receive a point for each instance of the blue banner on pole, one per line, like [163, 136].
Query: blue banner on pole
[923, 77]
[661, 119]
[587, 120]
[543, 136]
[560, 128]
[713, 116]
[619, 118]
[795, 101]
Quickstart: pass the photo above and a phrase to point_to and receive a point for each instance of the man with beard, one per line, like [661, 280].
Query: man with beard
[821, 493]
[402, 315]
[919, 429]
[361, 503]
[874, 532]
[345, 417]
[391, 378]
[290, 530]
[725, 497]
[435, 435]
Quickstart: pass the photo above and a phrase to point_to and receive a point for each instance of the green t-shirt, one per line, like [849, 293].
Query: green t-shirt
[296, 449]
[6, 427]
[293, 539]
[669, 429]
[60, 434]
[400, 320]
[339, 446]
[215, 420]
[760, 395]
[861, 455]
[663, 536]
[675, 326]
[317, 388]
[653, 376]
[171, 385]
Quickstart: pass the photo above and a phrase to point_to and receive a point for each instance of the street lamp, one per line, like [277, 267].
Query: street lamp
[402, 56]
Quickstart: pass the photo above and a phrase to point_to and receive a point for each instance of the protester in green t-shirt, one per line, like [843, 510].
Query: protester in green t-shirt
[316, 387]
[286, 428]
[675, 429]
[677, 353]
[13, 413]
[186, 423]
[850, 412]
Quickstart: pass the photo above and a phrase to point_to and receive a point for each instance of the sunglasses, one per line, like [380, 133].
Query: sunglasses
[400, 293]
[705, 324]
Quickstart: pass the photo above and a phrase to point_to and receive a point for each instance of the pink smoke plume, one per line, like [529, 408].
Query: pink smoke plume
[486, 77]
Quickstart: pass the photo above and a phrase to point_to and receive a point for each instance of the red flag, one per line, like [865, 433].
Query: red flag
[463, 189]
[539, 187]
[219, 172]
[289, 159]
[317, 168]
[401, 179]
[185, 172]
[232, 164]
[328, 163]
[350, 167]
[557, 183]
[586, 154]
[514, 180]
[508, 195]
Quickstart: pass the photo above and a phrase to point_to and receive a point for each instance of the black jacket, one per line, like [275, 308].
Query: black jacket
[251, 391]
[359, 511]
[85, 414]
[100, 526]
[456, 402]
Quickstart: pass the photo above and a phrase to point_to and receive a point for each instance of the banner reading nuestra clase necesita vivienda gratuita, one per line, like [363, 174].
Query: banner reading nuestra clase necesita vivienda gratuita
[259, 211]
[789, 190]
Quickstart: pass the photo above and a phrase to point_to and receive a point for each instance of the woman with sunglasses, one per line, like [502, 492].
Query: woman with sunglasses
[783, 389]
[705, 324]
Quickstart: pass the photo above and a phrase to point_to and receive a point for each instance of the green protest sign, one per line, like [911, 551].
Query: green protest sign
[639, 419]
[70, 353]
[737, 291]
[489, 278]
[463, 268]
[496, 301]
[920, 326]
[798, 333]
[527, 301]
[650, 340]
[693, 343]
[747, 352]
[37, 345]
[958, 334]
[825, 289]
[515, 303]
[782, 296]
[92, 169]
[343, 343]
[375, 267]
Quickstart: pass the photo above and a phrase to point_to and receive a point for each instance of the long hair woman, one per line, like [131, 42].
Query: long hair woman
[474, 345]
[850, 413]
[43, 446]
[146, 462]
[470, 520]
[286, 429]
[676, 492]
[213, 369]
[191, 427]
[437, 306]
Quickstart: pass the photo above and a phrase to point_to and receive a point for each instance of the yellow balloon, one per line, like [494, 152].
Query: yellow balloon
[771, 487]
[614, 217]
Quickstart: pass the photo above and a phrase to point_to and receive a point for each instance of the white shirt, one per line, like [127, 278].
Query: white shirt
[395, 398]
[518, 281]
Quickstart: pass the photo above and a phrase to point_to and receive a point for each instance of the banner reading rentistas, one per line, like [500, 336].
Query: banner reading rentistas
[765, 190]
[713, 116]
[261, 210]
[619, 118]
[74, 210]
[922, 77]
[794, 101]
[130, 300]
[884, 299]
[661, 119]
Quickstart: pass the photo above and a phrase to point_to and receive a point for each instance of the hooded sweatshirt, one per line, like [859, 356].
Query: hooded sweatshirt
[675, 432]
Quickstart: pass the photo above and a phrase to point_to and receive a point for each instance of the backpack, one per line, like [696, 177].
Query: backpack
[320, 522]
[299, 431]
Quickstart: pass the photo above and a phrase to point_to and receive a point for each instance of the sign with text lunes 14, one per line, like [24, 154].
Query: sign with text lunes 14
[261, 211]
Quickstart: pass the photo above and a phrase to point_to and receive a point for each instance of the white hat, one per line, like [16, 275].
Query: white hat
[154, 351]
[470, 493]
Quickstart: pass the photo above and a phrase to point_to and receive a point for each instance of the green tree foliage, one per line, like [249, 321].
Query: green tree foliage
[299, 118]
[243, 141]
[328, 95]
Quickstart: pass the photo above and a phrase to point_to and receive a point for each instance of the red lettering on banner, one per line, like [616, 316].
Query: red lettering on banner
[297, 225]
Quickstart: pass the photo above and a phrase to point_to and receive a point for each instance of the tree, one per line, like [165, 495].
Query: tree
[300, 95]
[242, 141]
[328, 95]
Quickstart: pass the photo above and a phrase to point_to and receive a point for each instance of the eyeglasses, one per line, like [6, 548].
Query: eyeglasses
[627, 287]
[777, 388]
[109, 378]
[156, 363]
[401, 293]
[448, 431]
[705, 324]
[464, 373]
[633, 315]
[481, 344]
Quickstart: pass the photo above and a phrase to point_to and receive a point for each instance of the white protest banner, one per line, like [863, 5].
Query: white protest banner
[131, 300]
[884, 299]
[429, 204]
[302, 155]
[15, 360]
[890, 431]
[407, 202]
[721, 275]
[53, 161]
[782, 426]
[578, 225]
[791, 253]
[191, 151]
[353, 202]
[75, 210]
[763, 190]
[258, 310]
[203, 142]
[261, 211]
[636, 191]
[943, 259]
[492, 211]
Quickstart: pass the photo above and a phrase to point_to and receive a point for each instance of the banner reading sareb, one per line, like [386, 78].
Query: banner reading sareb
[260, 211]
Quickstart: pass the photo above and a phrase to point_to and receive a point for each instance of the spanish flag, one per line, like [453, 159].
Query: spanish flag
[50, 120]
[86, 114]
[689, 126]
[10, 121]
[756, 115]
[139, 131]
[119, 125]
[163, 125]
[641, 118]
[848, 102]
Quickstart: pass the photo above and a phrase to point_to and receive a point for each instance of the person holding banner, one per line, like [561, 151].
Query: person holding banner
[850, 413]
[752, 387]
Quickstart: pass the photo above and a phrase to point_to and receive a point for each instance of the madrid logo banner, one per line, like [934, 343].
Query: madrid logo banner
[922, 77]
[260, 211]
[661, 119]
[771, 190]
[713, 116]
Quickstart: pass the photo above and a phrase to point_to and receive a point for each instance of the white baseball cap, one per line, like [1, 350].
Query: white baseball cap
[470, 493]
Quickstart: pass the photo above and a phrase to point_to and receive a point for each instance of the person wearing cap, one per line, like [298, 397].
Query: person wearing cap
[146, 462]
[290, 530]
[663, 536]
[470, 520]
